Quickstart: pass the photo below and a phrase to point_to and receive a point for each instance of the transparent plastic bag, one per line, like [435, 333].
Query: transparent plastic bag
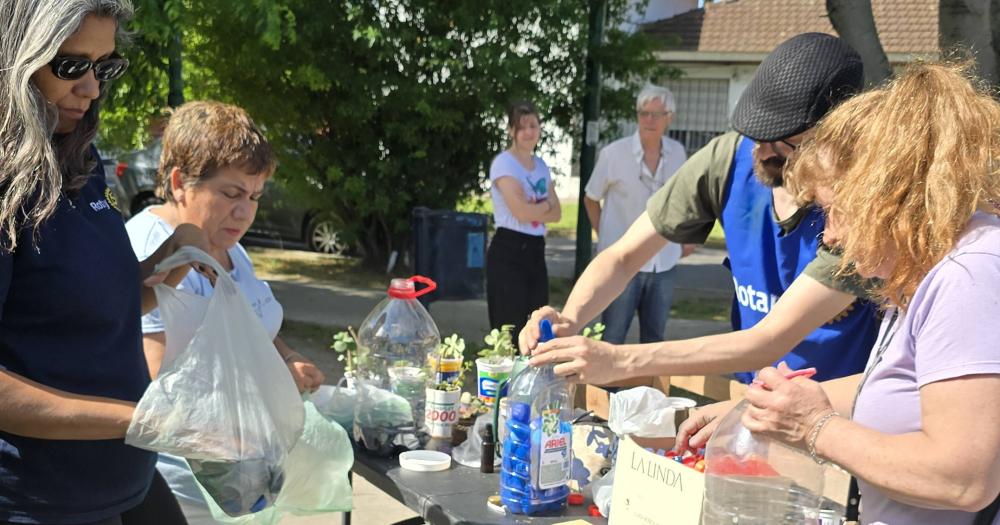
[470, 452]
[383, 421]
[315, 475]
[223, 399]
[337, 402]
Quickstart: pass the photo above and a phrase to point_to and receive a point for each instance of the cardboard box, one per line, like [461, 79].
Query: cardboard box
[597, 398]
[656, 490]
[653, 489]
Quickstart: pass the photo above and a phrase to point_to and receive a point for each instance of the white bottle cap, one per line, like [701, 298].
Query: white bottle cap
[424, 460]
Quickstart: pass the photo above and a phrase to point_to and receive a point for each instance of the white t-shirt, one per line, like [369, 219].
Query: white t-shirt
[623, 181]
[535, 183]
[147, 232]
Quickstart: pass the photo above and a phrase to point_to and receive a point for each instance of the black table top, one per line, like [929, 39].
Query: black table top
[451, 497]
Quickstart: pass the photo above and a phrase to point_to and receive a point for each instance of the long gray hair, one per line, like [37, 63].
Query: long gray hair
[36, 166]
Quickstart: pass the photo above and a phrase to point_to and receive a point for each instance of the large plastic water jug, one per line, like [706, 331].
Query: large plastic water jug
[537, 448]
[393, 344]
[753, 480]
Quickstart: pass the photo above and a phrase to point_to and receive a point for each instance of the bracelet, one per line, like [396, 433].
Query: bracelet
[291, 355]
[814, 434]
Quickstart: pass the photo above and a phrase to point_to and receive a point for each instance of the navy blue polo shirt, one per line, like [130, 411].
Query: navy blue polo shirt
[69, 319]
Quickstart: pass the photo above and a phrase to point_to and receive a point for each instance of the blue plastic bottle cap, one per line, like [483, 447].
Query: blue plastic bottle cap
[259, 505]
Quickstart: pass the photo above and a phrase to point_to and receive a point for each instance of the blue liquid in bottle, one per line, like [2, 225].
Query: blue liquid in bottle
[537, 452]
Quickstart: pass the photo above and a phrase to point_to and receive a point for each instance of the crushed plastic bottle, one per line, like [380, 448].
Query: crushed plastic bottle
[393, 344]
[537, 448]
[753, 480]
[239, 487]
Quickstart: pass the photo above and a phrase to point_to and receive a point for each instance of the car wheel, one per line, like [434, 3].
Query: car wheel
[322, 235]
[144, 201]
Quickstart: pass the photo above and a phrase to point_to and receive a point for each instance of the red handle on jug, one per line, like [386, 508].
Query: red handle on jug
[413, 294]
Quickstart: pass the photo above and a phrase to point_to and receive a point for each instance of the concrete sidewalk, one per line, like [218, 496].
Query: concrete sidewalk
[700, 274]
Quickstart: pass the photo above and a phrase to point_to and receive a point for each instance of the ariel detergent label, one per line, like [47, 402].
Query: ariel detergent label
[555, 458]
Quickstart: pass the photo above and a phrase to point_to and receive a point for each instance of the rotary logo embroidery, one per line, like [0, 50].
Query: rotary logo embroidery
[110, 197]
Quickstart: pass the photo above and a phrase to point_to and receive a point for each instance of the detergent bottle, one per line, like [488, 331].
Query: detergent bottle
[537, 446]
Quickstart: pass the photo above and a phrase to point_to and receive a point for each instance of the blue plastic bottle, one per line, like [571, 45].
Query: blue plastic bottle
[537, 450]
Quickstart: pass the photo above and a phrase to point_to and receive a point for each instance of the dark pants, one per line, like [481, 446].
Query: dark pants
[159, 508]
[517, 281]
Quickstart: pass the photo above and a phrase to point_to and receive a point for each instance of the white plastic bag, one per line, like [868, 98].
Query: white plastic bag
[644, 412]
[600, 492]
[316, 475]
[223, 399]
[337, 403]
[470, 451]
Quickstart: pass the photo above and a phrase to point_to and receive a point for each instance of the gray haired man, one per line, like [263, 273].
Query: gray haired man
[628, 172]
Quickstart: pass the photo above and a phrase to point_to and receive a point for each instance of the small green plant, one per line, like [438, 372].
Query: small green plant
[500, 344]
[346, 345]
[596, 333]
[452, 347]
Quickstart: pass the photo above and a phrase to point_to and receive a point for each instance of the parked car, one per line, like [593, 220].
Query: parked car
[278, 217]
[112, 181]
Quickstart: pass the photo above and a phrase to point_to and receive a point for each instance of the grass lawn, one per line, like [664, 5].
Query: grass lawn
[300, 266]
[566, 227]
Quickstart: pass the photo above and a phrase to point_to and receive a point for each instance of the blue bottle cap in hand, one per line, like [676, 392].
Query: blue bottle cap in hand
[545, 327]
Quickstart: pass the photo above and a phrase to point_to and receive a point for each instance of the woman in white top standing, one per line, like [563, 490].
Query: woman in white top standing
[212, 172]
[517, 281]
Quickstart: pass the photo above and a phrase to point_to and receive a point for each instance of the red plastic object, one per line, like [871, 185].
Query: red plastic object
[410, 292]
[730, 466]
[593, 510]
[575, 499]
[671, 453]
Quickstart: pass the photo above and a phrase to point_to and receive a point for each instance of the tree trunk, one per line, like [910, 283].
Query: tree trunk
[965, 26]
[995, 34]
[854, 22]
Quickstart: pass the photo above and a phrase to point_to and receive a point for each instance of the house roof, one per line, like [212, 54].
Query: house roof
[758, 26]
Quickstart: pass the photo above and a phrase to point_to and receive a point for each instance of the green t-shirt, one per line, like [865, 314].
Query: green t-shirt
[685, 209]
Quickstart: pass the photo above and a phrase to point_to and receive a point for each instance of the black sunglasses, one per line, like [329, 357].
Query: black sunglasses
[73, 68]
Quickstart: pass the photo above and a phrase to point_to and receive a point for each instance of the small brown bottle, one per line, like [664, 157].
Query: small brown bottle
[488, 450]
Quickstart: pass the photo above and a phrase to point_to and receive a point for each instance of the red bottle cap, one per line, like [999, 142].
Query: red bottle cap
[406, 288]
[575, 499]
[593, 510]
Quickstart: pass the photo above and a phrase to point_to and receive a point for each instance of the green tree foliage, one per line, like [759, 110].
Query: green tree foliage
[378, 106]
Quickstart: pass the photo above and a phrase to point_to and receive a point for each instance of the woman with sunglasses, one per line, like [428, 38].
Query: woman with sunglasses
[71, 292]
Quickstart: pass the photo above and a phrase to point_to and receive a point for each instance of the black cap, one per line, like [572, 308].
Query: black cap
[796, 85]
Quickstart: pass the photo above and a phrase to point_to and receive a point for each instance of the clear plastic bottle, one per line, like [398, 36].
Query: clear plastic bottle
[393, 344]
[753, 480]
[537, 448]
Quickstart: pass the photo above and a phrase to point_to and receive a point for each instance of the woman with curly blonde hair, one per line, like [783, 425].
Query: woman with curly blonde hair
[909, 177]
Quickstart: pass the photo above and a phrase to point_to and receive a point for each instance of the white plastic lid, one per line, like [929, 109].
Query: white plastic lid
[424, 460]
[679, 403]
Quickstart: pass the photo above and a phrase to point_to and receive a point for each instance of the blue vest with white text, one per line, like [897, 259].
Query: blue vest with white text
[764, 261]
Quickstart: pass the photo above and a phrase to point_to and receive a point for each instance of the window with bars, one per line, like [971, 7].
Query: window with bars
[702, 111]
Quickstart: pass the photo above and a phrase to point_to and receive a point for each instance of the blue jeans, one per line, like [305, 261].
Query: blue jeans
[651, 293]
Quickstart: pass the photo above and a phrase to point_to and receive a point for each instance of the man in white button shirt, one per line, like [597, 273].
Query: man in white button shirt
[627, 173]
